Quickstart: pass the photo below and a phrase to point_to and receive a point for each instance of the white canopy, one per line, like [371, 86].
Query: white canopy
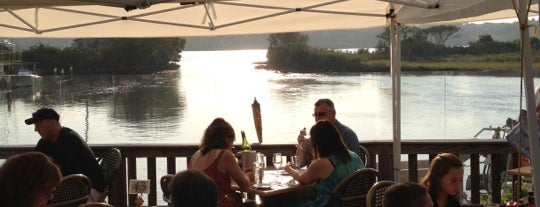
[165, 18]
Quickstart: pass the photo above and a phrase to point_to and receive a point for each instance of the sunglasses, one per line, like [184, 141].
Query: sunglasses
[319, 114]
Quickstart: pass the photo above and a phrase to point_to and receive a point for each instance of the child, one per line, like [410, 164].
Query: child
[444, 180]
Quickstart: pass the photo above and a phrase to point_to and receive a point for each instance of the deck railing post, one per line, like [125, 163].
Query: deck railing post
[171, 165]
[131, 174]
[118, 193]
[151, 166]
[475, 175]
[413, 168]
[496, 166]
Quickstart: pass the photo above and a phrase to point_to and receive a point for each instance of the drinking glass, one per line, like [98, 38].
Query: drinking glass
[259, 166]
[277, 160]
[295, 161]
[260, 158]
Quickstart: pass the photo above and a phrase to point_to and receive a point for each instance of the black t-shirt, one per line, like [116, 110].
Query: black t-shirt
[73, 156]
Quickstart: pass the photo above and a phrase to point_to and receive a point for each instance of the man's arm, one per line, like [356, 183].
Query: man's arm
[304, 152]
[350, 139]
[303, 148]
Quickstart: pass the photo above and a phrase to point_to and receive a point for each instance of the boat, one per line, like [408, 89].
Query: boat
[23, 78]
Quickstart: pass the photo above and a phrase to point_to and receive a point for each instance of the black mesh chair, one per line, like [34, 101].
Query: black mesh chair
[72, 191]
[96, 204]
[376, 193]
[164, 182]
[109, 163]
[352, 191]
[364, 155]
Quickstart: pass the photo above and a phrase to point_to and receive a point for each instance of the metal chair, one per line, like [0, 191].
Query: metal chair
[164, 182]
[96, 204]
[376, 193]
[109, 163]
[72, 191]
[364, 156]
[352, 191]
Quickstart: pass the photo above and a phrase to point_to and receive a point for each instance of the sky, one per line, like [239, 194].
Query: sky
[509, 20]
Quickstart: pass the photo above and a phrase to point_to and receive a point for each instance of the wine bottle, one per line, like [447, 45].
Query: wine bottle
[245, 144]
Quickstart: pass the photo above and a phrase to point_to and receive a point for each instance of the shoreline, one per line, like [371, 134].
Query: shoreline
[419, 72]
[420, 68]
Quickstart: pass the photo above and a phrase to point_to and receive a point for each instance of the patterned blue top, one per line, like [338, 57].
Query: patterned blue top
[325, 187]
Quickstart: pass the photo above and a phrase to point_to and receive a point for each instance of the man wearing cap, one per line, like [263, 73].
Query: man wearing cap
[67, 149]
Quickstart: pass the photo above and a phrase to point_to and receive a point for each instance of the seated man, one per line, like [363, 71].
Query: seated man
[325, 110]
[67, 149]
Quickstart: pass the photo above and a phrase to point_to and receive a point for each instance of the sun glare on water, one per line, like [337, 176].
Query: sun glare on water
[229, 79]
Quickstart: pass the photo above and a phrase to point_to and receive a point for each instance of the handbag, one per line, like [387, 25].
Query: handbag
[519, 137]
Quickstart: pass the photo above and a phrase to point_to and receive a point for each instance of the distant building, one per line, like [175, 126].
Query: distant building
[6, 51]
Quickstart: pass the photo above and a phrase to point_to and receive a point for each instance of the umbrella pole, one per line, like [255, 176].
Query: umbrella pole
[395, 69]
[529, 94]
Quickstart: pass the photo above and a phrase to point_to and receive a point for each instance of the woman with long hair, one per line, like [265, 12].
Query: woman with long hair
[444, 180]
[216, 159]
[332, 162]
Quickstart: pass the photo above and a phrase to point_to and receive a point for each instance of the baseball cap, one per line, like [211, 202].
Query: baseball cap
[42, 113]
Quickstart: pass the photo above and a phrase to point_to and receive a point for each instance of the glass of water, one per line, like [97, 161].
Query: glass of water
[277, 161]
[295, 161]
[258, 167]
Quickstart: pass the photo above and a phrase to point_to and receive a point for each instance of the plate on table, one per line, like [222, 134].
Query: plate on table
[262, 186]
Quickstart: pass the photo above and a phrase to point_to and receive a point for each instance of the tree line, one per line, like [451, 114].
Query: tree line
[286, 52]
[290, 51]
[109, 56]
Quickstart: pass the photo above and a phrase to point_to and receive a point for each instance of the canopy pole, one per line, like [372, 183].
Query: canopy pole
[395, 70]
[529, 95]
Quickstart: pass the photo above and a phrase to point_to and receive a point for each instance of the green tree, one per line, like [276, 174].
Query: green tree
[418, 43]
[288, 50]
[116, 56]
[441, 33]
[383, 39]
[487, 45]
[46, 56]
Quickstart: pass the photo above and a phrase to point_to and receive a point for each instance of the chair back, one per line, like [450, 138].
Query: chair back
[109, 163]
[96, 204]
[164, 182]
[72, 191]
[376, 193]
[364, 155]
[352, 190]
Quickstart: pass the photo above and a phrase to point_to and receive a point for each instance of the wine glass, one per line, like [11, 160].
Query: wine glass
[277, 160]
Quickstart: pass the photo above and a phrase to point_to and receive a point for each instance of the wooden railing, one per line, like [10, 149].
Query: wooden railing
[380, 155]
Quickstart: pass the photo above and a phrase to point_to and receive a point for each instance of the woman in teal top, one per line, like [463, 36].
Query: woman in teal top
[333, 162]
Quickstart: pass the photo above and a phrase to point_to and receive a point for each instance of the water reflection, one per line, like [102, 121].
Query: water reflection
[176, 108]
[89, 104]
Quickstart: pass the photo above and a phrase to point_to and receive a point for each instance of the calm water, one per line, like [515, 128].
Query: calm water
[176, 107]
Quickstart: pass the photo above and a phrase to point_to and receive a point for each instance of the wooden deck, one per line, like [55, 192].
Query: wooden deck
[168, 156]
